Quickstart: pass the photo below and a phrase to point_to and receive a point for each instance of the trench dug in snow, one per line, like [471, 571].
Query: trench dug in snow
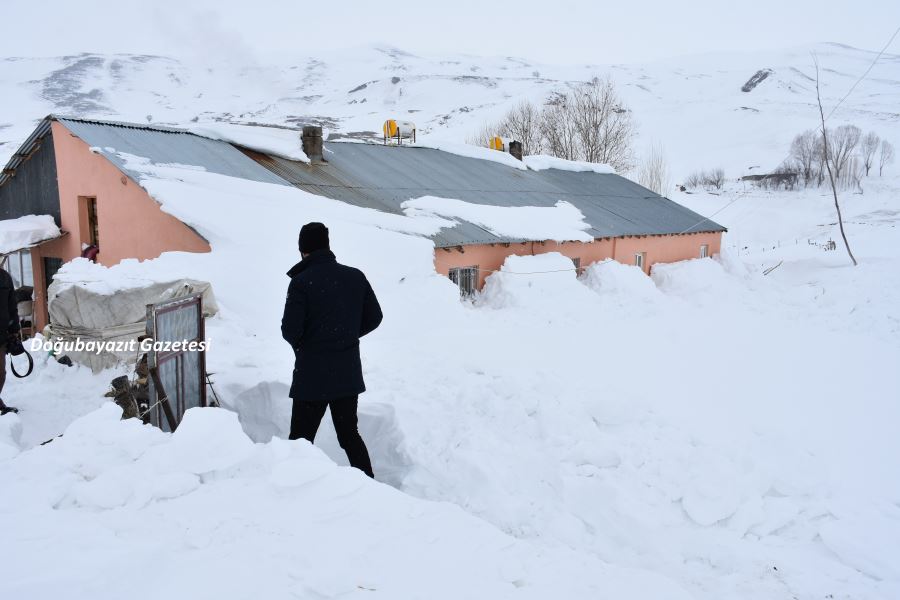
[265, 412]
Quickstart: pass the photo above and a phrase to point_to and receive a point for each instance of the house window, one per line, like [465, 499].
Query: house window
[639, 259]
[90, 230]
[466, 278]
[704, 251]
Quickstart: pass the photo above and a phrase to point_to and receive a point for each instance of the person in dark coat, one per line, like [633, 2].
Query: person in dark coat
[9, 327]
[329, 307]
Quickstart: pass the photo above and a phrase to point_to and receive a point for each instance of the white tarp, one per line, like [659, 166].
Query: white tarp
[24, 232]
[78, 311]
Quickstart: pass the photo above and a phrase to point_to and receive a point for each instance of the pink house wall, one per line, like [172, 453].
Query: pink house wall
[130, 223]
[657, 249]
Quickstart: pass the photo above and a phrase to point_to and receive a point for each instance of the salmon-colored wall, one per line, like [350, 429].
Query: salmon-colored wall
[658, 249]
[130, 223]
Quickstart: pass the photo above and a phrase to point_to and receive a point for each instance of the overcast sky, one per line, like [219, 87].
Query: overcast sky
[558, 31]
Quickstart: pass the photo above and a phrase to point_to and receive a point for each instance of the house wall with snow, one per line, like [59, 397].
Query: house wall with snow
[654, 249]
[618, 218]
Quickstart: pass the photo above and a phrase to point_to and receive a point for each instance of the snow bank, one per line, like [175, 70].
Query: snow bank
[471, 151]
[543, 282]
[204, 504]
[26, 231]
[563, 222]
[540, 162]
[619, 282]
[285, 143]
[698, 279]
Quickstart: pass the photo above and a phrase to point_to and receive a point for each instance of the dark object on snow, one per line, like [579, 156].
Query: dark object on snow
[307, 416]
[757, 78]
[329, 307]
[9, 313]
[16, 349]
[313, 236]
[64, 360]
[4, 409]
[122, 396]
[132, 396]
[24, 293]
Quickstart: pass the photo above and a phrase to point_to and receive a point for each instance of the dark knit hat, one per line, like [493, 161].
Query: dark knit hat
[313, 236]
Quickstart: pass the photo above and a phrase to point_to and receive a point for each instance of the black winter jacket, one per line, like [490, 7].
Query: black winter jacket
[329, 307]
[9, 313]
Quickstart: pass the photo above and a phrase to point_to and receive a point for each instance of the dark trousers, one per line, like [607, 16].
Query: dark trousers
[306, 417]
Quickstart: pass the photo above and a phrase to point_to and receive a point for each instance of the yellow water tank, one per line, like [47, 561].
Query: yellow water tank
[497, 143]
[399, 130]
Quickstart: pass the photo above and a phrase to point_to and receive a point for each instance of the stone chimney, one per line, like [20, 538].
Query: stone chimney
[312, 143]
[515, 148]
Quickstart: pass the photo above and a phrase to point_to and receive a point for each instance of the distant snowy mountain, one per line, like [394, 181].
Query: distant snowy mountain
[731, 110]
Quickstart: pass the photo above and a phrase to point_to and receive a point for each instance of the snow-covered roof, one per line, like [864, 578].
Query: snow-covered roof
[25, 232]
[385, 177]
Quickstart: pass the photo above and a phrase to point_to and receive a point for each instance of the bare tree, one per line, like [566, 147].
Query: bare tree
[712, 179]
[868, 147]
[694, 180]
[806, 156]
[828, 160]
[886, 156]
[482, 136]
[604, 125]
[560, 131]
[653, 172]
[843, 142]
[523, 123]
[715, 178]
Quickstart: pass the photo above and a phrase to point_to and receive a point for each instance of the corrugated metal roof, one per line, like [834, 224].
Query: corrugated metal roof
[382, 177]
[25, 150]
[163, 145]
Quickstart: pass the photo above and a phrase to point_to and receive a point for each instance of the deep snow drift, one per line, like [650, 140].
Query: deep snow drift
[724, 433]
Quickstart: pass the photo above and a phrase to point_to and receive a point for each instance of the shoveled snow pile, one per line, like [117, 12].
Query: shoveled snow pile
[562, 222]
[278, 141]
[26, 231]
[539, 281]
[206, 511]
[620, 283]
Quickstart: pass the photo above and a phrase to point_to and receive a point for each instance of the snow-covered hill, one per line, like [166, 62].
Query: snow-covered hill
[693, 106]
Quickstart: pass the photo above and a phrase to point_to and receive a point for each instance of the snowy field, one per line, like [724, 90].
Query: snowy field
[712, 432]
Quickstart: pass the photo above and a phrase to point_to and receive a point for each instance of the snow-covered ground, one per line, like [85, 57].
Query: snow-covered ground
[712, 432]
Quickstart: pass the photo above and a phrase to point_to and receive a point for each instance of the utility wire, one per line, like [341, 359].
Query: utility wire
[863, 76]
